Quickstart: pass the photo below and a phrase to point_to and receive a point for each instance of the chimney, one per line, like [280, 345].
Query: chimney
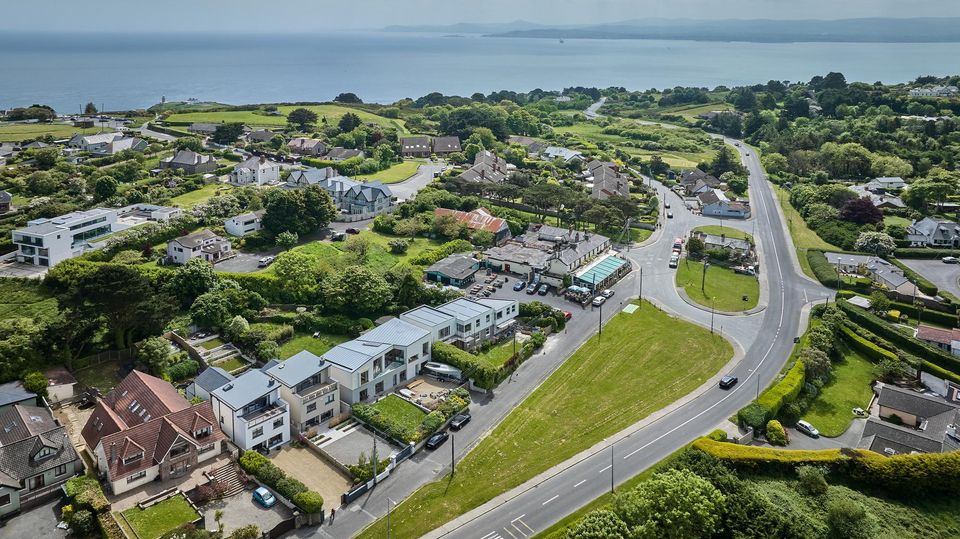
[263, 159]
[113, 452]
[483, 173]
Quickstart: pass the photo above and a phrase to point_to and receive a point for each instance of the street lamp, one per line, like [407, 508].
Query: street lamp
[703, 280]
[389, 503]
[712, 303]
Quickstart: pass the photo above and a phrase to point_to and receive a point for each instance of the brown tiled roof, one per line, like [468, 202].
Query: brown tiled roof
[478, 219]
[938, 335]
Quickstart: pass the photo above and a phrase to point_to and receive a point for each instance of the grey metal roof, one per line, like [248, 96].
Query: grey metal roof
[496, 304]
[212, 378]
[428, 316]
[464, 309]
[5, 196]
[395, 332]
[352, 355]
[248, 387]
[13, 392]
[457, 266]
[369, 191]
[297, 368]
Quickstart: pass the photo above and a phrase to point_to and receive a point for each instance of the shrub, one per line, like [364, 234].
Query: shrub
[85, 491]
[309, 501]
[270, 474]
[719, 435]
[753, 415]
[870, 350]
[432, 422]
[482, 373]
[251, 462]
[183, 370]
[812, 480]
[823, 270]
[776, 435]
[289, 487]
[83, 522]
[849, 519]
[783, 392]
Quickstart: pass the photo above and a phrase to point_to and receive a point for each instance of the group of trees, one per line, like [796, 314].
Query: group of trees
[836, 213]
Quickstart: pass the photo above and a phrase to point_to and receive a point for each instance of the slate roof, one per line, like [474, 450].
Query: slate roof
[415, 144]
[478, 219]
[261, 135]
[711, 197]
[936, 229]
[310, 176]
[456, 266]
[446, 144]
[118, 145]
[24, 431]
[297, 368]
[608, 182]
[212, 378]
[369, 191]
[302, 144]
[246, 388]
[730, 243]
[195, 239]
[918, 404]
[343, 153]
[882, 434]
[100, 138]
[13, 393]
[189, 157]
[254, 163]
[554, 152]
[487, 167]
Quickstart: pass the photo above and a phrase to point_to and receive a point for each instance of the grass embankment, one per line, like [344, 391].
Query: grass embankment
[18, 132]
[395, 174]
[832, 411]
[25, 299]
[610, 383]
[161, 518]
[718, 230]
[803, 237]
[315, 345]
[723, 289]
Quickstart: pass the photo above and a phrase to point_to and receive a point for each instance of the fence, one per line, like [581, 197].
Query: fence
[284, 526]
[103, 357]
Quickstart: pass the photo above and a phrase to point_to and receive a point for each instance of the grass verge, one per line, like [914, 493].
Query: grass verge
[803, 237]
[723, 289]
[849, 388]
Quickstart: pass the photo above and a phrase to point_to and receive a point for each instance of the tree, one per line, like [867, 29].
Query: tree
[155, 353]
[105, 187]
[36, 382]
[359, 247]
[192, 279]
[46, 158]
[287, 240]
[602, 524]
[236, 327]
[876, 243]
[19, 346]
[738, 184]
[775, 163]
[348, 122]
[227, 133]
[41, 183]
[672, 504]
[879, 302]
[189, 143]
[447, 226]
[298, 272]
[891, 370]
[849, 519]
[210, 310]
[358, 290]
[861, 211]
[90, 109]
[695, 247]
[348, 97]
[302, 118]
[267, 350]
[816, 363]
[726, 160]
[821, 338]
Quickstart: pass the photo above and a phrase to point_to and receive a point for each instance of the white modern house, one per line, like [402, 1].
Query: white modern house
[250, 411]
[255, 171]
[474, 321]
[47, 242]
[93, 143]
[241, 225]
[203, 244]
[305, 385]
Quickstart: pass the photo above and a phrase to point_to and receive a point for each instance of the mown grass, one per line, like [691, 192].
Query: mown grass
[192, 198]
[395, 174]
[18, 132]
[315, 345]
[849, 388]
[723, 289]
[332, 114]
[400, 412]
[161, 518]
[378, 255]
[803, 237]
[499, 354]
[727, 231]
[610, 383]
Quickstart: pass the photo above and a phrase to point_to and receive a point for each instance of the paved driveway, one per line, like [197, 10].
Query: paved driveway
[27, 271]
[40, 521]
[240, 510]
[945, 276]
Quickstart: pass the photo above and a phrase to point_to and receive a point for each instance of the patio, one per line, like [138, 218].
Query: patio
[185, 483]
[427, 391]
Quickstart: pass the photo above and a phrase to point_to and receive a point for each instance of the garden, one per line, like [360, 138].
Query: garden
[405, 422]
[160, 518]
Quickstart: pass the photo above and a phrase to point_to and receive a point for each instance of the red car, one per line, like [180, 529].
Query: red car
[567, 315]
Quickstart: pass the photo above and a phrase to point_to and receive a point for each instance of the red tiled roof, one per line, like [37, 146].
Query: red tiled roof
[938, 335]
[478, 219]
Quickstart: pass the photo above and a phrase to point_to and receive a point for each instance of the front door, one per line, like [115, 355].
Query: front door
[36, 483]
[178, 469]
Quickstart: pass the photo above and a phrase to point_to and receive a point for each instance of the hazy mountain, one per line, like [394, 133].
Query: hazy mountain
[469, 28]
[866, 30]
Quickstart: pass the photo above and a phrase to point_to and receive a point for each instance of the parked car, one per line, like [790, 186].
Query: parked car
[950, 260]
[666, 205]
[264, 497]
[265, 261]
[808, 429]
[669, 215]
[567, 315]
[598, 301]
[607, 293]
[460, 420]
[744, 270]
[353, 231]
[519, 285]
[728, 381]
[674, 261]
[338, 236]
[437, 440]
[678, 243]
[543, 289]
[532, 289]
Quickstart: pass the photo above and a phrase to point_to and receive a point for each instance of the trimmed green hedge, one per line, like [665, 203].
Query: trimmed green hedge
[785, 391]
[870, 350]
[924, 252]
[270, 474]
[482, 373]
[823, 270]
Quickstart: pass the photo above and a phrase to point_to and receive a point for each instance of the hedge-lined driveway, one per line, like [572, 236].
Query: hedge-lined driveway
[945, 276]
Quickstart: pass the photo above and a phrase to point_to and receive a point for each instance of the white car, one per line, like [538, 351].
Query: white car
[598, 301]
[808, 429]
[950, 260]
[607, 293]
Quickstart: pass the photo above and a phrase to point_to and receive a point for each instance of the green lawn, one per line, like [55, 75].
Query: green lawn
[723, 289]
[499, 354]
[191, 199]
[594, 134]
[231, 364]
[396, 173]
[610, 383]
[690, 112]
[331, 112]
[317, 345]
[401, 412]
[212, 343]
[849, 389]
[378, 258]
[18, 132]
[103, 376]
[727, 231]
[161, 518]
[803, 238]
[893, 220]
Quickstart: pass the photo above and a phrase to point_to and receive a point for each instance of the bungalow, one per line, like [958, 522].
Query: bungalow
[203, 244]
[307, 146]
[714, 203]
[190, 162]
[118, 145]
[251, 413]
[261, 135]
[690, 178]
[143, 430]
[879, 270]
[944, 339]
[342, 154]
[566, 155]
[305, 385]
[203, 128]
[415, 147]
[533, 146]
[241, 225]
[911, 422]
[933, 232]
[713, 241]
[479, 219]
[935, 91]
[6, 200]
[365, 199]
[487, 168]
[455, 270]
[885, 184]
[92, 143]
[36, 458]
[444, 146]
[255, 171]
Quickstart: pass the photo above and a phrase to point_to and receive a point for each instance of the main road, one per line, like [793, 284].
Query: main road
[538, 504]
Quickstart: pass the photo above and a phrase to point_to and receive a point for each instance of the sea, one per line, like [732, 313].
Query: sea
[128, 71]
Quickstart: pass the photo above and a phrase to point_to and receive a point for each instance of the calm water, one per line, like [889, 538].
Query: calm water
[134, 71]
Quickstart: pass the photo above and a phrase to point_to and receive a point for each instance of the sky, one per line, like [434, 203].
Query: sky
[319, 15]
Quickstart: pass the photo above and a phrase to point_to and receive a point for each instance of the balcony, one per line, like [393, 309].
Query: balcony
[316, 391]
[265, 414]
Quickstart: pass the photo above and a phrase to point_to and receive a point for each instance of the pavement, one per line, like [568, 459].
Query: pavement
[40, 521]
[945, 276]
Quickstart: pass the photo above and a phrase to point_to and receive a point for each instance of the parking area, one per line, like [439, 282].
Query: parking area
[314, 471]
[349, 440]
[40, 521]
[23, 271]
[945, 276]
[242, 263]
[240, 510]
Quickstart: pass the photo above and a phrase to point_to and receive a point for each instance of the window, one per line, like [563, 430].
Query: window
[330, 398]
[258, 432]
[488, 319]
[133, 458]
[4, 500]
[137, 476]
[60, 470]
[364, 377]
[208, 447]
[278, 422]
[444, 332]
[206, 431]
[426, 349]
[379, 387]
[133, 405]
[326, 415]
[364, 394]
[262, 402]
[179, 451]
[312, 407]
[36, 482]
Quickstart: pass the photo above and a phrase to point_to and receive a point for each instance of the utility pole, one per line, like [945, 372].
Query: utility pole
[703, 280]
[611, 467]
[374, 459]
[641, 287]
[453, 456]
[712, 302]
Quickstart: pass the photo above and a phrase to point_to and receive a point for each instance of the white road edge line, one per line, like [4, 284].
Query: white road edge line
[550, 500]
[490, 535]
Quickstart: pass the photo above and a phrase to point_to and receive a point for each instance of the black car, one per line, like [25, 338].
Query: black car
[353, 231]
[460, 420]
[728, 381]
[520, 285]
[543, 290]
[437, 440]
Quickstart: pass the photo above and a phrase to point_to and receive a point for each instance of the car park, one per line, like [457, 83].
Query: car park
[532, 289]
[519, 285]
[264, 497]
[728, 381]
[950, 260]
[808, 429]
[607, 293]
[598, 301]
[543, 289]
[459, 420]
[437, 440]
[265, 261]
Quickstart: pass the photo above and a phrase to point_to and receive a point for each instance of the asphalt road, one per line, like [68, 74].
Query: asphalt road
[945, 276]
[767, 339]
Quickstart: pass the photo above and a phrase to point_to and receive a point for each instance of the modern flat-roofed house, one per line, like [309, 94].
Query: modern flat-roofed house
[456, 270]
[305, 385]
[944, 339]
[307, 146]
[6, 200]
[203, 244]
[444, 146]
[479, 219]
[47, 242]
[342, 154]
[251, 412]
[247, 223]
[36, 458]
[255, 171]
[933, 232]
[479, 320]
[415, 147]
[144, 430]
[118, 145]
[136, 214]
[190, 162]
[202, 128]
[92, 143]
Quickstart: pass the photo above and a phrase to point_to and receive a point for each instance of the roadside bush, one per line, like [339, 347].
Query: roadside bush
[812, 480]
[924, 252]
[482, 373]
[753, 415]
[870, 350]
[432, 422]
[431, 256]
[269, 474]
[309, 501]
[776, 434]
[824, 271]
[783, 392]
